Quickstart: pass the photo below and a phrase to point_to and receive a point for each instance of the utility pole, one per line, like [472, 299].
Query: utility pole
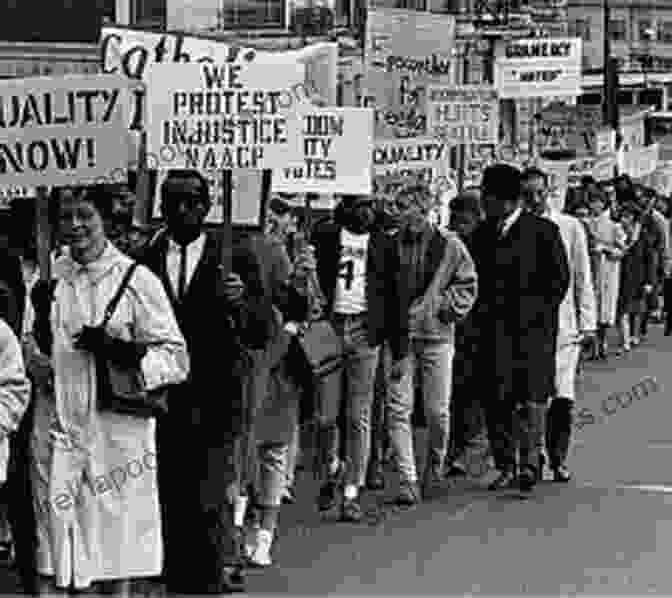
[610, 83]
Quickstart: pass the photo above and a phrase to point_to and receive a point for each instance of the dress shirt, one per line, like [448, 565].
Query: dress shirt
[509, 221]
[174, 257]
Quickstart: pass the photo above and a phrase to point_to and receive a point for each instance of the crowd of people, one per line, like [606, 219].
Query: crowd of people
[194, 348]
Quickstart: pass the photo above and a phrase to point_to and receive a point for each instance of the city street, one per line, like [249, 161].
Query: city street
[607, 532]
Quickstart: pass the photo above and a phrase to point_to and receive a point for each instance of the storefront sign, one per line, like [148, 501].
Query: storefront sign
[63, 130]
[463, 115]
[221, 117]
[601, 168]
[577, 128]
[336, 153]
[538, 67]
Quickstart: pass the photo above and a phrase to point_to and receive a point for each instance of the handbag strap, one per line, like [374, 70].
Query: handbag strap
[114, 302]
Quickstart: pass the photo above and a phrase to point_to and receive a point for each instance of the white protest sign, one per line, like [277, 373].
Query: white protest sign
[134, 54]
[221, 117]
[63, 130]
[422, 156]
[466, 115]
[640, 162]
[337, 156]
[538, 67]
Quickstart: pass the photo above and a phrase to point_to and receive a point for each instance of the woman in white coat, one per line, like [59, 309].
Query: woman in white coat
[94, 470]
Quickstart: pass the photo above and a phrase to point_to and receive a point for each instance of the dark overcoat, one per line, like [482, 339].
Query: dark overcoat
[523, 278]
[196, 439]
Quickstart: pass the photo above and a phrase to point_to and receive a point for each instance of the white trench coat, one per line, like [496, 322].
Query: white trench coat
[94, 472]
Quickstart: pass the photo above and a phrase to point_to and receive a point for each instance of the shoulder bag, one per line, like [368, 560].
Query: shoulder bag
[123, 390]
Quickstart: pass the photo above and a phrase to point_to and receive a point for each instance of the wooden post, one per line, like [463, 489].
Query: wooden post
[141, 215]
[43, 233]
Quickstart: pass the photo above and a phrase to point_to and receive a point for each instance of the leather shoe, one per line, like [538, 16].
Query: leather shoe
[506, 480]
[527, 480]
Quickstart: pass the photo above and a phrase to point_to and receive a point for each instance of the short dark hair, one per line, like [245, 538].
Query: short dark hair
[172, 175]
[533, 173]
[466, 203]
[102, 198]
[504, 180]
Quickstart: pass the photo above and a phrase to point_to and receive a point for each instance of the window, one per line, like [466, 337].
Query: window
[252, 14]
[149, 14]
[645, 30]
[618, 30]
[665, 32]
[581, 28]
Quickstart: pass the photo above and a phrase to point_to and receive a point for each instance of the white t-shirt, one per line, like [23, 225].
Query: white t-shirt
[350, 295]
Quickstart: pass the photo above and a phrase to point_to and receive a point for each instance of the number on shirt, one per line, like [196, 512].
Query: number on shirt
[346, 271]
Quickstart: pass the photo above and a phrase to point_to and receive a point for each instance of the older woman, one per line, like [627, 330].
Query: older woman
[94, 471]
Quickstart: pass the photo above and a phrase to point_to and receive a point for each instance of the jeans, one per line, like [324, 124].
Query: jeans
[435, 361]
[361, 362]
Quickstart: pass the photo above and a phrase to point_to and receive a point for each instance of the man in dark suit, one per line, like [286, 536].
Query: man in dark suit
[221, 315]
[524, 275]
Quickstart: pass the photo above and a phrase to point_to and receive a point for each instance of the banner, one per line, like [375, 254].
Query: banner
[467, 115]
[336, 145]
[209, 117]
[538, 67]
[640, 162]
[405, 51]
[63, 130]
[134, 53]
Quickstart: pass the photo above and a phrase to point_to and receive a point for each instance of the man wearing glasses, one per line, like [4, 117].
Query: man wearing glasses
[577, 320]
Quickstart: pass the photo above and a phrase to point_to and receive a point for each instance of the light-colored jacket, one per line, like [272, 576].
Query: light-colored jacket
[449, 297]
[14, 391]
[94, 474]
[578, 311]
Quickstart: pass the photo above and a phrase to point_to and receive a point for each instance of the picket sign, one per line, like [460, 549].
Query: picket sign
[222, 117]
[68, 130]
[336, 153]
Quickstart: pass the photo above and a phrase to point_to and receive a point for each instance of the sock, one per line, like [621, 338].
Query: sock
[350, 492]
[239, 508]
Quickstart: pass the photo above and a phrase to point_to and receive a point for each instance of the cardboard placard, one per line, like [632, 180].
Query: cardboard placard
[68, 130]
[337, 158]
[221, 117]
[467, 115]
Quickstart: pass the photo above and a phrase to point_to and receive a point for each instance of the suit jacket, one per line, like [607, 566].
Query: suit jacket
[211, 330]
[523, 279]
[327, 242]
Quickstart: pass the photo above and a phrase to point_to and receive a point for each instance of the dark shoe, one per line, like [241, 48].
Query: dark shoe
[527, 479]
[431, 479]
[351, 510]
[409, 495]
[561, 474]
[504, 481]
[375, 477]
[328, 497]
[288, 496]
[542, 465]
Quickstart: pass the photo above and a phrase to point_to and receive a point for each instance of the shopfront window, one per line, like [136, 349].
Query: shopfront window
[618, 30]
[665, 32]
[149, 14]
[252, 14]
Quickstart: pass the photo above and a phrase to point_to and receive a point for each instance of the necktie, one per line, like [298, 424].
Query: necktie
[182, 280]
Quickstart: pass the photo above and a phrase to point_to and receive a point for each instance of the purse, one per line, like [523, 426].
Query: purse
[123, 390]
